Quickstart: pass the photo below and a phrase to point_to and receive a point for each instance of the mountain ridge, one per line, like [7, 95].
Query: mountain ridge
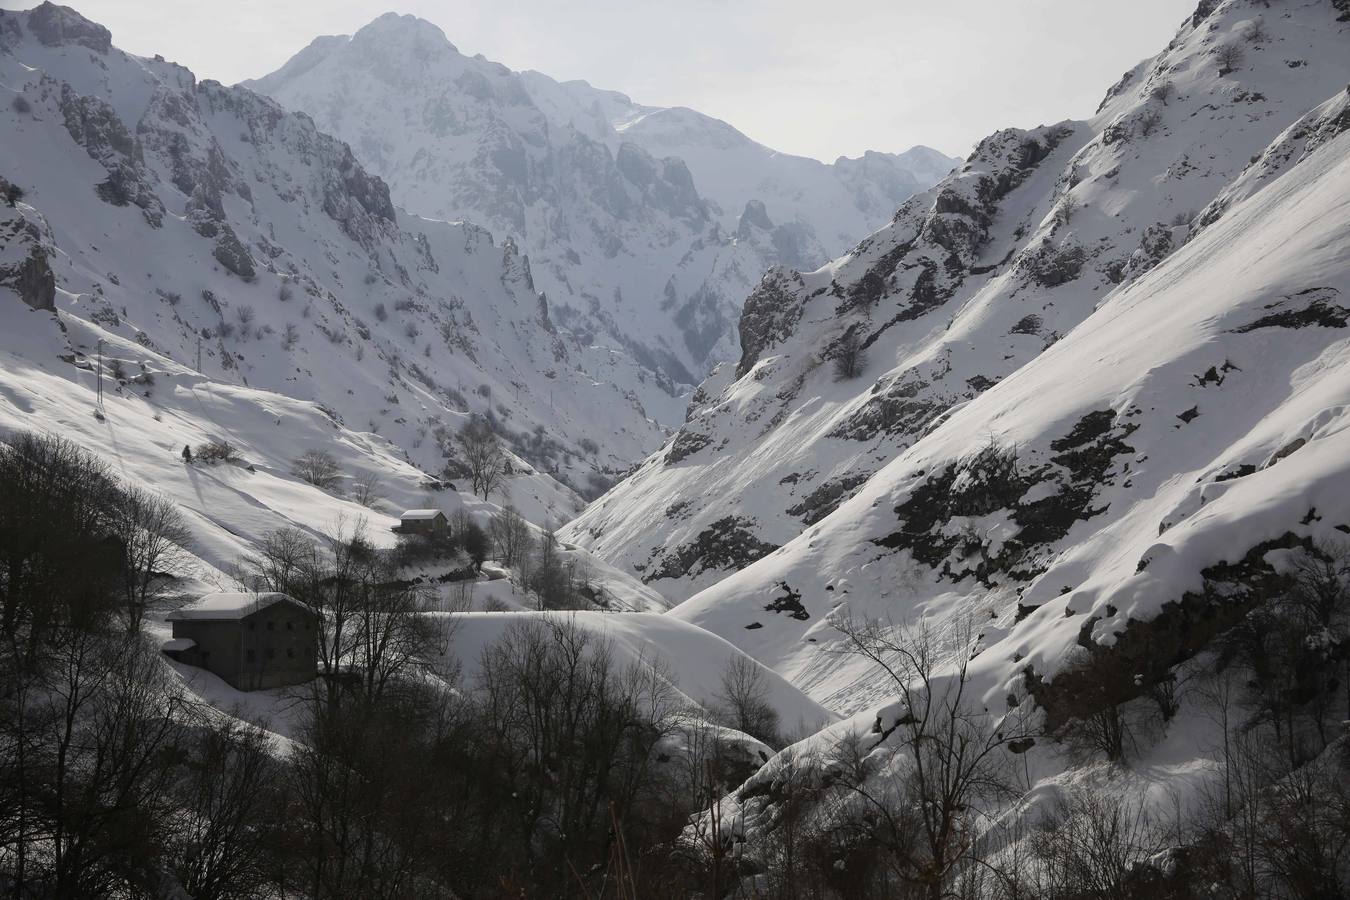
[633, 216]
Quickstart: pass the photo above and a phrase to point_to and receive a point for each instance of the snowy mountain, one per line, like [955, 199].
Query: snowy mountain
[855, 372]
[191, 224]
[645, 227]
[183, 263]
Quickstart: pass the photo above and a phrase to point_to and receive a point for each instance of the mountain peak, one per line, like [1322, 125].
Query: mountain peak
[405, 27]
[53, 25]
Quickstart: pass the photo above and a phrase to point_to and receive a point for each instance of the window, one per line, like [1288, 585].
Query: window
[290, 653]
[271, 653]
[290, 626]
[271, 626]
[252, 625]
[250, 656]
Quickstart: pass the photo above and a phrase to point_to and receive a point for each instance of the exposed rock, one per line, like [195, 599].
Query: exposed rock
[728, 544]
[826, 498]
[94, 125]
[685, 444]
[56, 25]
[232, 254]
[23, 264]
[1312, 307]
[1154, 245]
[754, 216]
[769, 315]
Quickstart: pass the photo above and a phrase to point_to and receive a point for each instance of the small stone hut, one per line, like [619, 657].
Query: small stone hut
[423, 521]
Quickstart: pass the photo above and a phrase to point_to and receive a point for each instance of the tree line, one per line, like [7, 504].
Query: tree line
[558, 770]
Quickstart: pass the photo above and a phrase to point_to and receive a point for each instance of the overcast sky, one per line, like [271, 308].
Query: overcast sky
[813, 77]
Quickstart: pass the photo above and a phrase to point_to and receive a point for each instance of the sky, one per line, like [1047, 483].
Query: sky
[810, 77]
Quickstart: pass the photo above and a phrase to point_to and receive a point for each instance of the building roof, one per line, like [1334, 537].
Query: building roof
[178, 645]
[230, 605]
[419, 514]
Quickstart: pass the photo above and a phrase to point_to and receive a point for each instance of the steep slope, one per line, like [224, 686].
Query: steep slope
[646, 227]
[969, 283]
[207, 225]
[1197, 422]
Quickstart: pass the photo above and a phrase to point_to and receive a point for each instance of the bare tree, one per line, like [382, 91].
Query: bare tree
[742, 701]
[1092, 845]
[318, 467]
[950, 756]
[155, 540]
[850, 355]
[221, 849]
[1229, 58]
[366, 490]
[1163, 91]
[510, 535]
[558, 704]
[483, 456]
[1149, 121]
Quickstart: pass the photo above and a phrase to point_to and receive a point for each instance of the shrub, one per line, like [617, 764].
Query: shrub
[1149, 122]
[284, 293]
[850, 356]
[13, 194]
[318, 467]
[1163, 91]
[1229, 58]
[21, 104]
[217, 451]
[381, 313]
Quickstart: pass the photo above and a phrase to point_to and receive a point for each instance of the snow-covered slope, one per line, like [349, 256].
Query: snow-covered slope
[646, 227]
[188, 221]
[218, 269]
[1033, 243]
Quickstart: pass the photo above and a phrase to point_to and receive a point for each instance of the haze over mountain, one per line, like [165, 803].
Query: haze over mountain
[645, 227]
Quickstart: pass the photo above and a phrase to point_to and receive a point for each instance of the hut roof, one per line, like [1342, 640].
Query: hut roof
[421, 514]
[230, 605]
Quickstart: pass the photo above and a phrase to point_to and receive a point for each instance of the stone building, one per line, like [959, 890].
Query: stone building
[252, 641]
[423, 521]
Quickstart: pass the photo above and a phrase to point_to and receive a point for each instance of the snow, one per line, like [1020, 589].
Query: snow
[694, 658]
[227, 605]
[783, 440]
[1184, 292]
[420, 515]
[402, 326]
[630, 215]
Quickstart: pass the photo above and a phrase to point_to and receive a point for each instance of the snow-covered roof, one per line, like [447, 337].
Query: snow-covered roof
[229, 605]
[178, 645]
[419, 514]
